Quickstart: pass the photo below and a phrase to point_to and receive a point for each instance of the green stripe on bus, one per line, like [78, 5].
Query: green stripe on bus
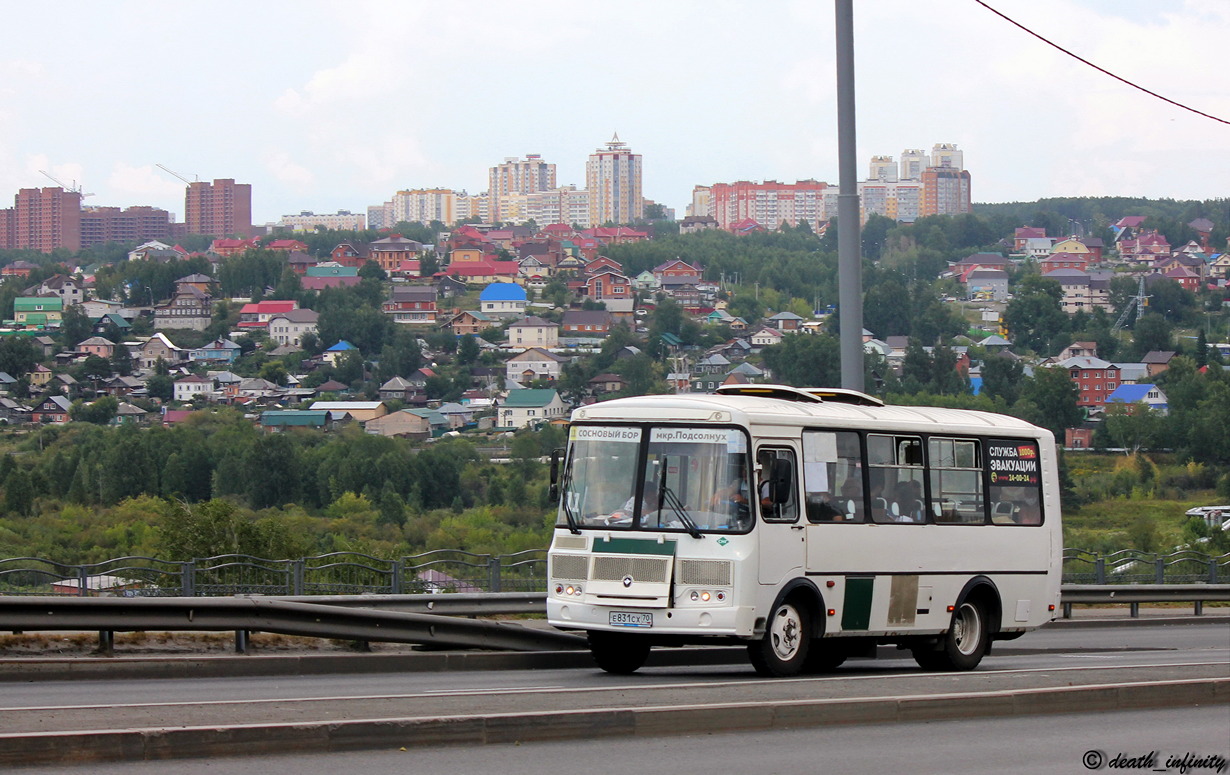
[634, 546]
[856, 611]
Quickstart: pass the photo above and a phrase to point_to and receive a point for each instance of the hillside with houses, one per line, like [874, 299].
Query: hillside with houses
[483, 332]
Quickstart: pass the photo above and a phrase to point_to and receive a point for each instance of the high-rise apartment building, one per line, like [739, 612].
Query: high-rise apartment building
[219, 209]
[424, 205]
[947, 155]
[42, 219]
[883, 168]
[132, 224]
[913, 162]
[770, 203]
[946, 191]
[518, 176]
[613, 180]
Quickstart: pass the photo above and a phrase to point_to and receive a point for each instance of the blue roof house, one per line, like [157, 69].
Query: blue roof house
[1149, 395]
[502, 300]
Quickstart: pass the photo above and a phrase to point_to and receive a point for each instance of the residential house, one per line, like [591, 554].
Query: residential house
[612, 289]
[1147, 395]
[96, 345]
[529, 408]
[533, 332]
[111, 321]
[121, 386]
[156, 348]
[202, 282]
[329, 274]
[585, 323]
[187, 308]
[191, 386]
[1095, 379]
[217, 351]
[607, 383]
[535, 363]
[350, 254]
[1073, 246]
[484, 272]
[1064, 260]
[784, 321]
[1038, 247]
[1024, 233]
[300, 262]
[70, 291]
[401, 389]
[258, 314]
[766, 337]
[502, 300]
[1083, 291]
[286, 246]
[233, 247]
[1157, 361]
[127, 414]
[13, 412]
[406, 424]
[983, 283]
[470, 323]
[18, 268]
[414, 304]
[52, 410]
[361, 411]
[1145, 249]
[289, 328]
[33, 311]
[448, 287]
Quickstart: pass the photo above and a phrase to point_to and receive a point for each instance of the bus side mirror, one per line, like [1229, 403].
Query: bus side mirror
[553, 490]
[781, 480]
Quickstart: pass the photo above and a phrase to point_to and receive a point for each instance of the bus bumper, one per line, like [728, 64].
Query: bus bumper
[727, 620]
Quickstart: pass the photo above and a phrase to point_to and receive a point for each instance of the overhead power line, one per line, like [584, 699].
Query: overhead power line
[1095, 67]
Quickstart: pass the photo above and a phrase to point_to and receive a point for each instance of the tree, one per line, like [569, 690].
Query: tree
[1132, 427]
[1001, 377]
[17, 356]
[806, 361]
[100, 412]
[467, 350]
[1035, 317]
[160, 386]
[1152, 332]
[1052, 396]
[75, 327]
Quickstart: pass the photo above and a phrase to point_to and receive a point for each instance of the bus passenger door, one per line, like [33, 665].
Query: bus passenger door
[782, 537]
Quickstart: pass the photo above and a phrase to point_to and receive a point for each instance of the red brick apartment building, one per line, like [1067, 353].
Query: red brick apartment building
[218, 209]
[42, 219]
[132, 224]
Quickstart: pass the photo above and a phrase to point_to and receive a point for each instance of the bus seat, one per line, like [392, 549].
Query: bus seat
[1003, 512]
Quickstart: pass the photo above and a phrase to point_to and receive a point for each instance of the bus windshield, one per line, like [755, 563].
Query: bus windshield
[689, 479]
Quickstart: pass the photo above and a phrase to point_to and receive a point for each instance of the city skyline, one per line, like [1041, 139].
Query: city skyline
[359, 120]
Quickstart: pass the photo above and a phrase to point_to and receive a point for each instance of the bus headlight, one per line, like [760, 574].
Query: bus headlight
[703, 596]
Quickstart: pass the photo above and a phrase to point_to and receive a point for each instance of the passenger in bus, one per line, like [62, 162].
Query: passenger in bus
[907, 503]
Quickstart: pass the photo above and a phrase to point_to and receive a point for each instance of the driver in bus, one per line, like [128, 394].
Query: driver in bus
[649, 503]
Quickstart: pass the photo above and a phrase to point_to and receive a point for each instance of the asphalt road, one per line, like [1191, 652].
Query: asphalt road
[663, 700]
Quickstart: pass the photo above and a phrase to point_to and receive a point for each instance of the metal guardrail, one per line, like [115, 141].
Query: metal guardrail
[338, 619]
[432, 620]
[353, 573]
[1135, 594]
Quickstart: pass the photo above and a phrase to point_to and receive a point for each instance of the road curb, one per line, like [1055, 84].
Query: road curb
[147, 744]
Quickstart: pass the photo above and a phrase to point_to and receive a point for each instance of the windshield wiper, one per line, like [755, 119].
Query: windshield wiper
[667, 495]
[565, 492]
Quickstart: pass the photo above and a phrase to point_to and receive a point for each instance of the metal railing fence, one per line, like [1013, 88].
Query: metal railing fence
[444, 570]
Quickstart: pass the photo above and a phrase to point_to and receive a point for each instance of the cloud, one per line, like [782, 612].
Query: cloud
[143, 184]
[295, 175]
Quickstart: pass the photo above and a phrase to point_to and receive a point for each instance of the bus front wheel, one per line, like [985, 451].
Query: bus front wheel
[965, 643]
[787, 638]
[618, 652]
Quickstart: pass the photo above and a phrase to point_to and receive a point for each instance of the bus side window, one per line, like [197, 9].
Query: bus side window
[772, 508]
[833, 477]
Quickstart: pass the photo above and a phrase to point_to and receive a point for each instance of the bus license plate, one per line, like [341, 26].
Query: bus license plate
[629, 619]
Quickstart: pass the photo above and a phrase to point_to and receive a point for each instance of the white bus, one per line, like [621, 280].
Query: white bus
[810, 524]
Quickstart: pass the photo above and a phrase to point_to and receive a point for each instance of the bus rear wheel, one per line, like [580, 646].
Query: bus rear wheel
[618, 652]
[787, 639]
[965, 643]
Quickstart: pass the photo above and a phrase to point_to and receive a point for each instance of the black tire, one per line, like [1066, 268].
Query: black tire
[965, 643]
[824, 657]
[618, 652]
[787, 639]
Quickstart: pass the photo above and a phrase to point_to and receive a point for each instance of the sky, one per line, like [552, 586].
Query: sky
[334, 105]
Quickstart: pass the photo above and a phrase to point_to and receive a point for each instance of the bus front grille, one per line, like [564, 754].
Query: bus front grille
[705, 573]
[570, 567]
[614, 568]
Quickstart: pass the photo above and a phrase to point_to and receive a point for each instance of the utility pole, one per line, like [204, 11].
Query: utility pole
[849, 275]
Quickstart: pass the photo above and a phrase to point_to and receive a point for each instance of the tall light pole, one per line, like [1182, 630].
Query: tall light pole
[849, 269]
